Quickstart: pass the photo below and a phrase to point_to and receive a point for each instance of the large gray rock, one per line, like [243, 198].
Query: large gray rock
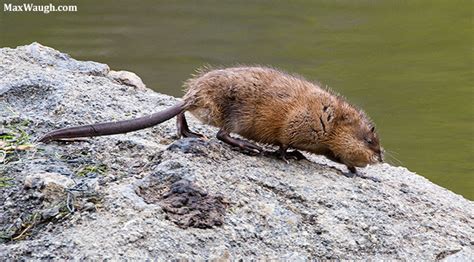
[147, 194]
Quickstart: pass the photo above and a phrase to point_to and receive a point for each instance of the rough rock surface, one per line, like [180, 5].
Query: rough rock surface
[131, 189]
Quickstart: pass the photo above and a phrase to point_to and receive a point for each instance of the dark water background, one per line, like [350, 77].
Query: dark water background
[409, 64]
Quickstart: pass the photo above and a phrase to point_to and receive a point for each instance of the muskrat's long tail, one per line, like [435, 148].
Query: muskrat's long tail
[111, 128]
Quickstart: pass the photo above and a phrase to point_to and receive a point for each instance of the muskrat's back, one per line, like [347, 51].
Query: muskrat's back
[254, 102]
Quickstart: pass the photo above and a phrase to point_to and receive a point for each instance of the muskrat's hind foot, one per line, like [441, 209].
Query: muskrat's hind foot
[242, 144]
[183, 129]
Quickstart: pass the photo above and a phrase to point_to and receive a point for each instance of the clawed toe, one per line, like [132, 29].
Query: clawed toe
[244, 146]
[249, 148]
[249, 151]
[193, 135]
[287, 155]
[295, 154]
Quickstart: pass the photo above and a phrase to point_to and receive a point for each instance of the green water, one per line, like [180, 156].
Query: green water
[407, 63]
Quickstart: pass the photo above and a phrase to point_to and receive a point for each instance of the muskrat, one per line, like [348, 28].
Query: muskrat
[264, 105]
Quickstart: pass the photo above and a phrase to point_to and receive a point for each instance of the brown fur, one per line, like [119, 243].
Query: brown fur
[272, 107]
[264, 105]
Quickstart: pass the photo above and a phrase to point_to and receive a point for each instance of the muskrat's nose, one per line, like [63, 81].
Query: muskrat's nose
[381, 153]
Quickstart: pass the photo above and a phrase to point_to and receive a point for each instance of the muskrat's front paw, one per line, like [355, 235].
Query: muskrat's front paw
[285, 156]
[295, 154]
[352, 169]
[353, 174]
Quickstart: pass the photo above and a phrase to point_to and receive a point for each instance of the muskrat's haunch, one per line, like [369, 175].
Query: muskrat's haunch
[264, 105]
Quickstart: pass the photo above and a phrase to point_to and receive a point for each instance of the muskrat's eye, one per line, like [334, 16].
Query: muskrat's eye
[369, 141]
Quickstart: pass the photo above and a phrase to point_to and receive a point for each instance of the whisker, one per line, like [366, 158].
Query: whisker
[392, 151]
[392, 157]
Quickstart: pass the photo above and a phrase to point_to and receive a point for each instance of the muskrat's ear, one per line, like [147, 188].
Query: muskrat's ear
[345, 118]
[372, 129]
[328, 113]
